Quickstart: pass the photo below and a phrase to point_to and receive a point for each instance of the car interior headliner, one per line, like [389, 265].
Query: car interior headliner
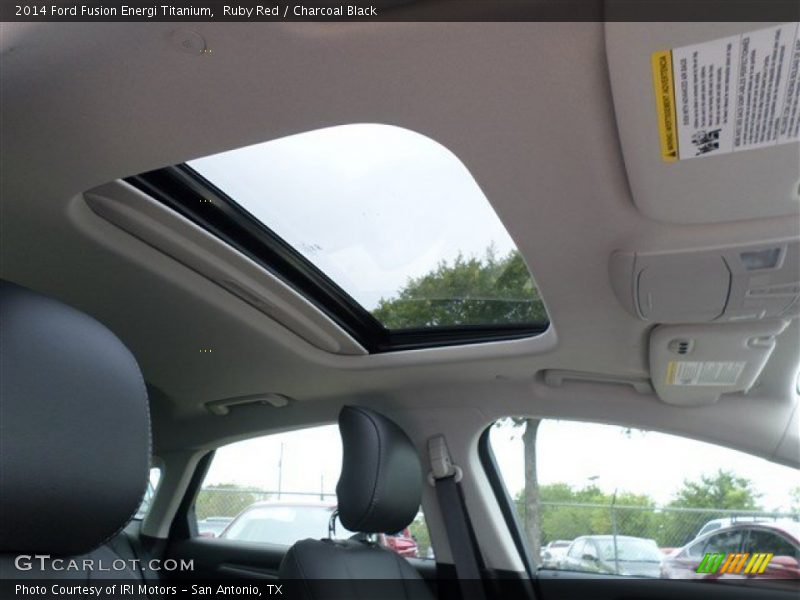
[540, 113]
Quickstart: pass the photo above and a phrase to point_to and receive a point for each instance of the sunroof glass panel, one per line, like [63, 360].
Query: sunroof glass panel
[392, 217]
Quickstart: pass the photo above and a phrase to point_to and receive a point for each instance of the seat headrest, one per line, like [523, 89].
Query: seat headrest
[380, 486]
[75, 444]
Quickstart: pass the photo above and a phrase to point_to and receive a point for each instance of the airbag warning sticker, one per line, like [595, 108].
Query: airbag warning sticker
[737, 93]
[704, 373]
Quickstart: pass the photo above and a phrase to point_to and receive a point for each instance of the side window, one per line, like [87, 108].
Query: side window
[724, 542]
[152, 485]
[576, 549]
[709, 528]
[694, 550]
[590, 551]
[759, 540]
[635, 501]
[279, 489]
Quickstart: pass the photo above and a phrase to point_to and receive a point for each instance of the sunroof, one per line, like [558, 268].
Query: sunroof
[387, 223]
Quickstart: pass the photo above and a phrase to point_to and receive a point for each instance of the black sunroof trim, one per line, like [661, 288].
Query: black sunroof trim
[187, 192]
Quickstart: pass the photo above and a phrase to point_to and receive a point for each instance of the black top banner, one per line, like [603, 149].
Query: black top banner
[400, 10]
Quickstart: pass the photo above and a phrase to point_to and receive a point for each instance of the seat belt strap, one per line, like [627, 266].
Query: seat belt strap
[444, 476]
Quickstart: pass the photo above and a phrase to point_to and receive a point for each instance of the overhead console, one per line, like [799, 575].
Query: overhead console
[744, 283]
[719, 312]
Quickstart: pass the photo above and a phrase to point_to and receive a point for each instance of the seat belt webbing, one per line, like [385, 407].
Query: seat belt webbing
[456, 520]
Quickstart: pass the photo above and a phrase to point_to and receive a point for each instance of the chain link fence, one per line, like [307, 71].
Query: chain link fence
[670, 527]
[230, 501]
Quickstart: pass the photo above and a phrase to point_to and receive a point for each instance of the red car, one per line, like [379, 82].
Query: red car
[285, 523]
[781, 539]
[401, 542]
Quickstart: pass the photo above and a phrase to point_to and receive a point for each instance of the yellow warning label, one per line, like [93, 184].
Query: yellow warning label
[671, 372]
[664, 88]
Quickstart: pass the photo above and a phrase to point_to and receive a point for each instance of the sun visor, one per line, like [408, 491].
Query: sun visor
[693, 365]
[708, 118]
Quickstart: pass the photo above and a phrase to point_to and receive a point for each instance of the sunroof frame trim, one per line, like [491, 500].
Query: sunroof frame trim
[188, 193]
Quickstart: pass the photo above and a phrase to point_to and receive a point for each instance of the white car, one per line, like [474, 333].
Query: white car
[553, 553]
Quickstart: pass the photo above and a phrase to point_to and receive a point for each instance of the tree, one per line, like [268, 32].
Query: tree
[566, 513]
[530, 493]
[470, 291]
[794, 494]
[723, 490]
[419, 531]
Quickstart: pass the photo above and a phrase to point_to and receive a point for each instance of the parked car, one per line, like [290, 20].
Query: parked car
[602, 554]
[212, 526]
[401, 542]
[285, 523]
[553, 553]
[779, 538]
[715, 524]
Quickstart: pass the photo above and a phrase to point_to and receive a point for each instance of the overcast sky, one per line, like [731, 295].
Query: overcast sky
[644, 463]
[371, 205]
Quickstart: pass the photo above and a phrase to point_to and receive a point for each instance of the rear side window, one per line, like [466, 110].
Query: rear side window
[149, 494]
[710, 527]
[641, 503]
[279, 489]
[777, 544]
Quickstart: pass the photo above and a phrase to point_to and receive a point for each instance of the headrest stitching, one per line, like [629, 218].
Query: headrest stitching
[138, 503]
[373, 495]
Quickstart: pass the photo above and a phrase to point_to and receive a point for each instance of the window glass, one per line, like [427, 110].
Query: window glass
[710, 527]
[590, 550]
[279, 489]
[694, 550]
[152, 485]
[759, 541]
[285, 524]
[576, 549]
[416, 243]
[635, 502]
[725, 542]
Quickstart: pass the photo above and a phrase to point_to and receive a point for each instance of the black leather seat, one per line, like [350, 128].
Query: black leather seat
[379, 491]
[75, 443]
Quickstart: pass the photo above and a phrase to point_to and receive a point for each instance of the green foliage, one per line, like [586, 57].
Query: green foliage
[419, 531]
[721, 490]
[222, 500]
[486, 291]
[637, 515]
[560, 522]
[795, 496]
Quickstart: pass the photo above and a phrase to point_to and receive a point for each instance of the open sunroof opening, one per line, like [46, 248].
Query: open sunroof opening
[380, 217]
